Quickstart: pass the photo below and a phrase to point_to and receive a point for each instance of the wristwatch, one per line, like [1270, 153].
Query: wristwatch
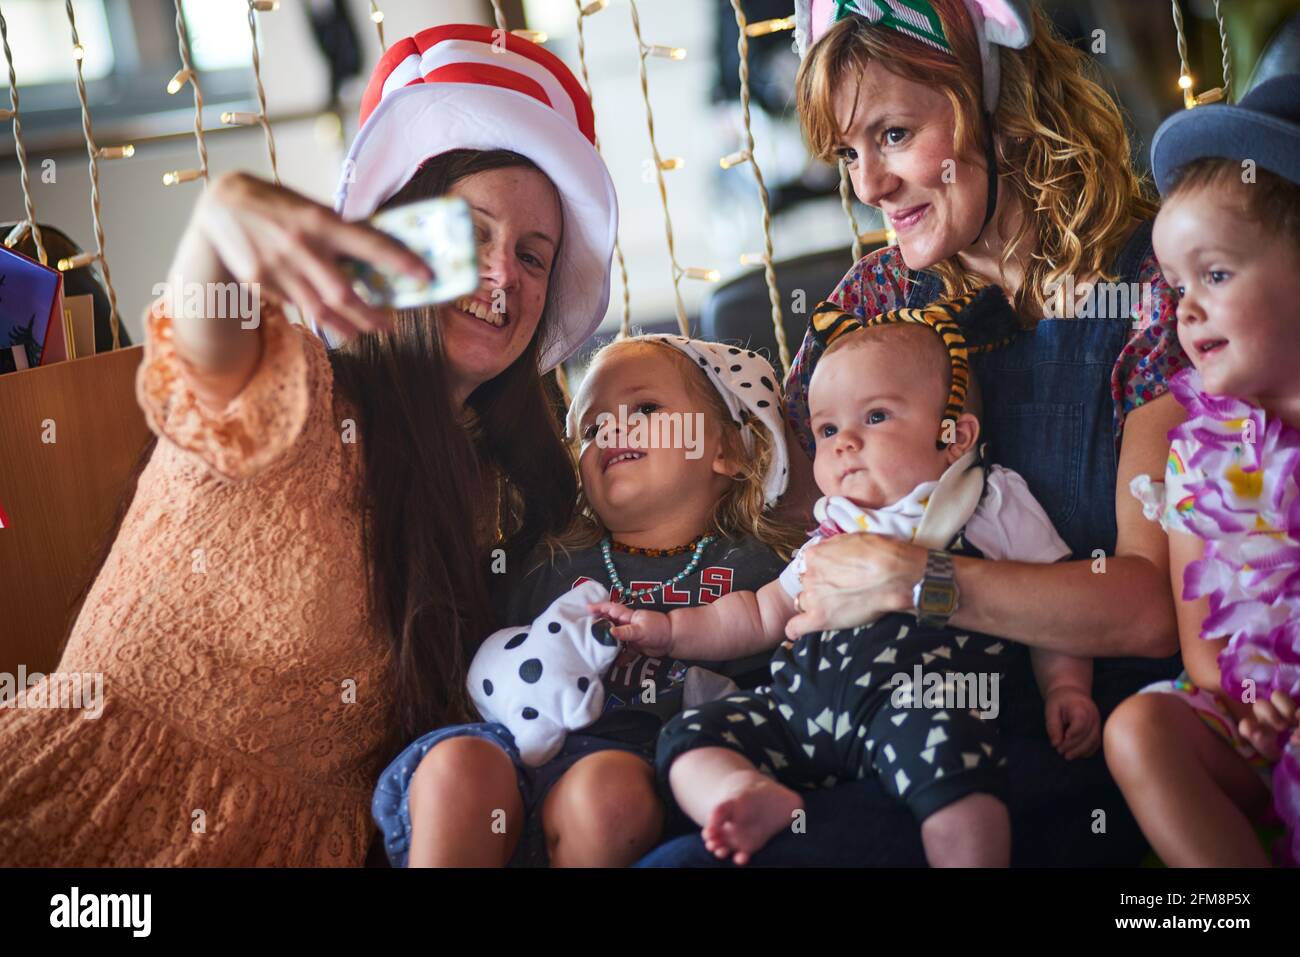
[934, 597]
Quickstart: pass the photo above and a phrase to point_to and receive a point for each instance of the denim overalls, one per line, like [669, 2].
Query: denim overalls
[1049, 415]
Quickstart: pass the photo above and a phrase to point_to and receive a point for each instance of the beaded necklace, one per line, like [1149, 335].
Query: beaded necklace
[629, 598]
[652, 552]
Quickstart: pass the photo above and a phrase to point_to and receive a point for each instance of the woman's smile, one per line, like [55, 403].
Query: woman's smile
[484, 311]
[905, 219]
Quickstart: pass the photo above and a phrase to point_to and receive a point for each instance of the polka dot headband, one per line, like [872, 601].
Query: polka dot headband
[748, 386]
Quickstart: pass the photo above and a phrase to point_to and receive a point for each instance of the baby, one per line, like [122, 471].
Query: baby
[844, 704]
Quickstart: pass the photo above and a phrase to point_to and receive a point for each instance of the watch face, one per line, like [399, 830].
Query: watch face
[938, 598]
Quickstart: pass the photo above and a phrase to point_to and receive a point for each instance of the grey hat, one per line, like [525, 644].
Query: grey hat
[1263, 127]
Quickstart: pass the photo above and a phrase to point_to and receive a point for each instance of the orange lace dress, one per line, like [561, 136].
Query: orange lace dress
[244, 684]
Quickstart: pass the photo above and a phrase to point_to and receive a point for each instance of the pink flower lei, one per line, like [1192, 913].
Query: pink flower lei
[1247, 509]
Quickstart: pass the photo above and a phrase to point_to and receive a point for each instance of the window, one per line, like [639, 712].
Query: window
[130, 54]
[219, 38]
[41, 41]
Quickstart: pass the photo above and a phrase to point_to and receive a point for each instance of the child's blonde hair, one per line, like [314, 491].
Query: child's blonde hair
[741, 511]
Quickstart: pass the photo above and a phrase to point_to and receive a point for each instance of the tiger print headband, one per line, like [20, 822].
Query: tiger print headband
[977, 322]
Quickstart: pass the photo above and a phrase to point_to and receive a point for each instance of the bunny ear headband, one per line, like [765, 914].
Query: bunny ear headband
[749, 387]
[976, 322]
[998, 23]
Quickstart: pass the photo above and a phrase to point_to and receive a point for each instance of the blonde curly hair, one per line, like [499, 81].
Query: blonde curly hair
[1061, 142]
[741, 511]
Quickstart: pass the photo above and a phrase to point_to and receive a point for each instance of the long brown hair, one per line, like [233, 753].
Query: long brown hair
[430, 479]
[1061, 143]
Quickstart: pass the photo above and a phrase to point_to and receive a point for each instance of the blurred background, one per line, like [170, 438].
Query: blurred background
[316, 56]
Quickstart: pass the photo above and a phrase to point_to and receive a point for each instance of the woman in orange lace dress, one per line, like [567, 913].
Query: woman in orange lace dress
[302, 576]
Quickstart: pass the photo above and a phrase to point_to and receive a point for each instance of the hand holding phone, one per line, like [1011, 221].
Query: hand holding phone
[441, 232]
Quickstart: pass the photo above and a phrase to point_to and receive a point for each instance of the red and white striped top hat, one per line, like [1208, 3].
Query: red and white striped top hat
[465, 86]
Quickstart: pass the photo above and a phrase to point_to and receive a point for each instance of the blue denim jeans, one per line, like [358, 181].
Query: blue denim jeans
[1049, 415]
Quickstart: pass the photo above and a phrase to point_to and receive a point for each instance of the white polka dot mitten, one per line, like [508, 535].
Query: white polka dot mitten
[544, 680]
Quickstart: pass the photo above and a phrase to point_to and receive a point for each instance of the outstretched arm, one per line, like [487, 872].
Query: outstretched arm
[248, 230]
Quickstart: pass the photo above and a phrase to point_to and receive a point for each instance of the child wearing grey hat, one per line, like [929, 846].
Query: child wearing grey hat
[1228, 241]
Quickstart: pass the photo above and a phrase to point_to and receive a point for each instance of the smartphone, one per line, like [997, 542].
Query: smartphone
[441, 232]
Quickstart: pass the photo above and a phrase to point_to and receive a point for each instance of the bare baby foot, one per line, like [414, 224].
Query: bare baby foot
[754, 810]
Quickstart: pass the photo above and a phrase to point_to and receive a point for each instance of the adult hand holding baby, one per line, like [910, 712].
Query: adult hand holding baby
[850, 580]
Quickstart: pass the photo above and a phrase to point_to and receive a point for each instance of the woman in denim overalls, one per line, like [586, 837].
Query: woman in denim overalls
[1058, 401]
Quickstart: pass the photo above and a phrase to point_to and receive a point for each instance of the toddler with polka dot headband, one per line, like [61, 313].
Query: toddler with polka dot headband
[681, 453]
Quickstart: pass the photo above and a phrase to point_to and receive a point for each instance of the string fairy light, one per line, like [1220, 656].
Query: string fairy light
[92, 151]
[377, 18]
[265, 6]
[590, 9]
[188, 74]
[846, 200]
[667, 52]
[763, 28]
[21, 150]
[678, 272]
[769, 269]
[1185, 81]
[532, 36]
[181, 176]
[734, 159]
[178, 80]
[77, 261]
[1223, 46]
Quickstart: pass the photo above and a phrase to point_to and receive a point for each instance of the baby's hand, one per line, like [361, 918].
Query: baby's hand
[649, 632]
[1268, 722]
[1073, 722]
